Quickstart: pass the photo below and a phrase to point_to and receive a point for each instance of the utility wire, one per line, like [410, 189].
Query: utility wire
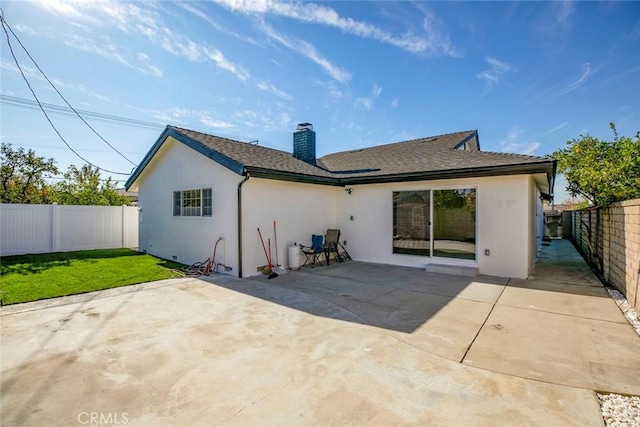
[50, 147]
[59, 109]
[58, 92]
[15, 59]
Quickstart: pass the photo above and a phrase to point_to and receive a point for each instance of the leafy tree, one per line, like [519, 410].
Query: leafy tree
[601, 171]
[82, 186]
[22, 176]
[573, 203]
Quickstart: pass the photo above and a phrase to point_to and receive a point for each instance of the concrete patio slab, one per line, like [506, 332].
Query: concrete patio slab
[560, 326]
[590, 302]
[480, 288]
[426, 321]
[567, 273]
[200, 353]
[560, 262]
[446, 333]
[352, 343]
[574, 351]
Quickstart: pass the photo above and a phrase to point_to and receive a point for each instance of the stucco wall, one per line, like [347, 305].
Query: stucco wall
[536, 223]
[190, 239]
[506, 216]
[504, 206]
[300, 210]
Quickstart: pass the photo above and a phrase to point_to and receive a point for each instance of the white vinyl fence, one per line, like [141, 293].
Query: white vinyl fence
[28, 229]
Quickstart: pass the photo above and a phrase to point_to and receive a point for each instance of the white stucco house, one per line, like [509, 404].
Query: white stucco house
[430, 201]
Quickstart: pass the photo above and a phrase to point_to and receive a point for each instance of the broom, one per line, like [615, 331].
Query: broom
[273, 273]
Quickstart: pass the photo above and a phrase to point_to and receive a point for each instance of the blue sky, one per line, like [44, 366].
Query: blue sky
[527, 75]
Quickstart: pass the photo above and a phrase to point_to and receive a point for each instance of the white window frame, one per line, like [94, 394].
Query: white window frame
[192, 203]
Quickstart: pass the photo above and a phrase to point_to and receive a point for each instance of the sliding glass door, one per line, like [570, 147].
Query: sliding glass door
[411, 222]
[449, 216]
[454, 223]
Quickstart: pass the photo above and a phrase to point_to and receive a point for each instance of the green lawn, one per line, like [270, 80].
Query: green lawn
[26, 278]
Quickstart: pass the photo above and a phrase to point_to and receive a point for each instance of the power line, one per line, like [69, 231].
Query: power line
[50, 147]
[58, 92]
[62, 178]
[15, 59]
[62, 110]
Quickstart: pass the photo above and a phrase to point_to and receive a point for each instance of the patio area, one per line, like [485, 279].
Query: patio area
[351, 343]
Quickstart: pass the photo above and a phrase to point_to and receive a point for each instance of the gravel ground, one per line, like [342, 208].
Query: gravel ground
[629, 312]
[618, 410]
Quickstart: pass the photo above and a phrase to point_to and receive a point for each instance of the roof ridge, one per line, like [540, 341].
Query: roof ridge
[526, 156]
[178, 128]
[400, 142]
[319, 165]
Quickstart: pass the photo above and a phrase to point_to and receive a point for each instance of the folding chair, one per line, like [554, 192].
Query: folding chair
[313, 252]
[344, 254]
[331, 242]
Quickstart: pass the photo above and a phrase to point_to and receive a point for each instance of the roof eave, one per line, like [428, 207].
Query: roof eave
[547, 167]
[220, 158]
[258, 172]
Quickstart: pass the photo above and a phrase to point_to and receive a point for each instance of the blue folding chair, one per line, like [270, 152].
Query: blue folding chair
[313, 252]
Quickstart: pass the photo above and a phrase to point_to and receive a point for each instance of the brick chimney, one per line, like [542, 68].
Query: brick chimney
[304, 143]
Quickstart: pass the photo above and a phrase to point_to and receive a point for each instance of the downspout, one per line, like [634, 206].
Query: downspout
[246, 178]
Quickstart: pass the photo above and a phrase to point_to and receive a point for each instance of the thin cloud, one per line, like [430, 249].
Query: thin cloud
[626, 118]
[177, 115]
[64, 8]
[216, 124]
[367, 103]
[271, 88]
[130, 17]
[307, 49]
[173, 115]
[512, 143]
[219, 59]
[27, 70]
[265, 119]
[564, 13]
[497, 69]
[563, 125]
[620, 74]
[191, 8]
[332, 89]
[313, 13]
[27, 30]
[148, 23]
[395, 103]
[241, 121]
[111, 53]
[586, 72]
[437, 40]
[35, 74]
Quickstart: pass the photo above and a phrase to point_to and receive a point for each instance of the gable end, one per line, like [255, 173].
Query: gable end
[217, 157]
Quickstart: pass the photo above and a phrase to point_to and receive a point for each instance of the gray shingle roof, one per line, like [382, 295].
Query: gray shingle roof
[425, 158]
[255, 156]
[435, 153]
